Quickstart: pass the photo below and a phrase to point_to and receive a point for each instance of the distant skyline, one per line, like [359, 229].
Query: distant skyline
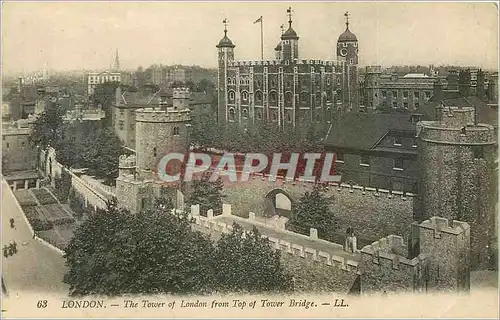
[85, 35]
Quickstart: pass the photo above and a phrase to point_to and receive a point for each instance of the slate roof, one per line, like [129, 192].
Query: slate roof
[486, 114]
[363, 130]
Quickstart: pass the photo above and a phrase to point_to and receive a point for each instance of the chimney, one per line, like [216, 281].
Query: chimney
[438, 90]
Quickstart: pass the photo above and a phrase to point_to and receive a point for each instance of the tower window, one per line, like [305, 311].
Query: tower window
[273, 96]
[394, 104]
[427, 95]
[154, 152]
[415, 94]
[288, 117]
[228, 80]
[176, 131]
[259, 114]
[121, 124]
[364, 161]
[274, 116]
[8, 145]
[398, 164]
[231, 114]
[258, 96]
[395, 94]
[245, 113]
[405, 105]
[244, 95]
[417, 105]
[231, 95]
[398, 141]
[405, 94]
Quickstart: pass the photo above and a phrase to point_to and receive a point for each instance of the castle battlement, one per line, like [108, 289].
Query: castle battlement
[127, 162]
[373, 69]
[241, 63]
[347, 262]
[181, 93]
[389, 249]
[341, 187]
[162, 115]
[442, 225]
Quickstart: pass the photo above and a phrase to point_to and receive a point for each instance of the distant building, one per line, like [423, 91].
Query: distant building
[408, 92]
[96, 78]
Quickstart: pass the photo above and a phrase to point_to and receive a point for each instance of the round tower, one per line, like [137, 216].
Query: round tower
[225, 50]
[159, 132]
[457, 158]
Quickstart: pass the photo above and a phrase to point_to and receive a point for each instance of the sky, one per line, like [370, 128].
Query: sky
[85, 35]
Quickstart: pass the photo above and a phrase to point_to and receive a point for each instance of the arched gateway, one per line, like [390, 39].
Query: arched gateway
[278, 202]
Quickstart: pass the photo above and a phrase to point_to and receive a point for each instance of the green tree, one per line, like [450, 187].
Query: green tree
[114, 253]
[100, 153]
[249, 264]
[313, 211]
[207, 194]
[49, 127]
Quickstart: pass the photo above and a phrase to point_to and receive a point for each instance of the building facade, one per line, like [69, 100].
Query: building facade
[96, 78]
[289, 90]
[392, 91]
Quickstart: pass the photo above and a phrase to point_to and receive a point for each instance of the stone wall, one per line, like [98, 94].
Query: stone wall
[93, 197]
[372, 213]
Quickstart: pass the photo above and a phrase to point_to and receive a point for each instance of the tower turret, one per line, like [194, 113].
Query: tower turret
[290, 41]
[225, 55]
[457, 162]
[347, 45]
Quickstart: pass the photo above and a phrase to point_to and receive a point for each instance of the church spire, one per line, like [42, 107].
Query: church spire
[117, 61]
[289, 12]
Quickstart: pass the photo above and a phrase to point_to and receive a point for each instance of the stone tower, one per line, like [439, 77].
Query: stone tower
[159, 131]
[347, 55]
[457, 157]
[290, 42]
[447, 244]
[372, 76]
[225, 54]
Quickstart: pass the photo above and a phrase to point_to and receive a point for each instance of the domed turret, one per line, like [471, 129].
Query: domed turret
[290, 43]
[347, 36]
[225, 42]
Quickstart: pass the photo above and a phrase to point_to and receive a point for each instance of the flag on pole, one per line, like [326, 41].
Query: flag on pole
[258, 20]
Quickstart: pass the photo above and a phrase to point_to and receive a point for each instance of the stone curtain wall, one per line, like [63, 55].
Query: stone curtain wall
[372, 213]
[93, 196]
[313, 270]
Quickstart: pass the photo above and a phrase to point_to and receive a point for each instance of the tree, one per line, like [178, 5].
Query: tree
[100, 153]
[249, 264]
[207, 194]
[114, 253]
[49, 127]
[313, 211]
[63, 186]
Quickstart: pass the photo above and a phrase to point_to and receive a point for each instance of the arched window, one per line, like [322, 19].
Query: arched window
[288, 98]
[231, 95]
[259, 114]
[304, 97]
[154, 152]
[288, 117]
[232, 114]
[245, 113]
[229, 81]
[273, 98]
[176, 131]
[258, 96]
[244, 95]
[275, 117]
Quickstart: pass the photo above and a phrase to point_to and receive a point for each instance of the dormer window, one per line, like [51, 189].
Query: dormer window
[398, 141]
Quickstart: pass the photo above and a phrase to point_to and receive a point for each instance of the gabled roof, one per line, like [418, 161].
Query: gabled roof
[363, 130]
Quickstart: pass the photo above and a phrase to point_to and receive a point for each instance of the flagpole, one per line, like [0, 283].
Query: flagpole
[261, 38]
